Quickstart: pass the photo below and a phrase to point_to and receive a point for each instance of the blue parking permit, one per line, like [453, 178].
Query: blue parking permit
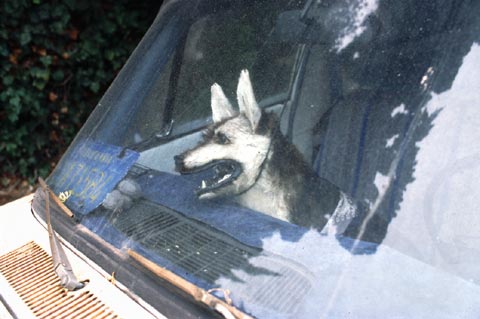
[89, 172]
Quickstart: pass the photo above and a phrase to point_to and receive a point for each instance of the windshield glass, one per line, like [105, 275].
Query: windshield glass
[315, 158]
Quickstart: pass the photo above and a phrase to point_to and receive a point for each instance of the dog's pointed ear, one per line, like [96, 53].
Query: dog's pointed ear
[221, 107]
[246, 100]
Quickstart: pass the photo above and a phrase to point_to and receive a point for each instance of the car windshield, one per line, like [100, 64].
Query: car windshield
[314, 158]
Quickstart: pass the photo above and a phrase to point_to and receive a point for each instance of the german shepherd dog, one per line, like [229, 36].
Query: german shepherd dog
[259, 168]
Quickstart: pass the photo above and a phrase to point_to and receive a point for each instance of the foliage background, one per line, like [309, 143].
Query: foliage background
[56, 60]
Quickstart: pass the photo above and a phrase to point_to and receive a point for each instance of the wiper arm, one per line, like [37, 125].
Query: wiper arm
[61, 265]
[199, 294]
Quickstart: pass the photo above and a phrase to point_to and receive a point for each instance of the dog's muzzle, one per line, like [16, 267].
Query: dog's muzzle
[224, 172]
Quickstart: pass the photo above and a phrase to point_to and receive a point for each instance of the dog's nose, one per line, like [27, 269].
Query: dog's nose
[179, 158]
[178, 162]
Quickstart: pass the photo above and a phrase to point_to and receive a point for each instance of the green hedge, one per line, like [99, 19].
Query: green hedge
[56, 60]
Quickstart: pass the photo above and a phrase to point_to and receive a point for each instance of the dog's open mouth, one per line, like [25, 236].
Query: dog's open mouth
[224, 172]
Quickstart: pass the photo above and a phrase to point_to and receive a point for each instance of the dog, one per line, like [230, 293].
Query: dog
[259, 168]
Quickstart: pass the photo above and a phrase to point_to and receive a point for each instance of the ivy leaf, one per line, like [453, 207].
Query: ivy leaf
[7, 80]
[58, 75]
[43, 74]
[109, 55]
[15, 102]
[46, 60]
[25, 38]
[14, 109]
[40, 85]
[110, 27]
[94, 86]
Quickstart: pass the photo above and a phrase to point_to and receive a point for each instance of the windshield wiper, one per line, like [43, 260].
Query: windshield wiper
[61, 265]
[199, 294]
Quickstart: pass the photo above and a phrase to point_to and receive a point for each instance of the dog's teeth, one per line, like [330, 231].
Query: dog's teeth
[204, 184]
[225, 177]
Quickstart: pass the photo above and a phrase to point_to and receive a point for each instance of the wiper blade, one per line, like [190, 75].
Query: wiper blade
[199, 294]
[61, 265]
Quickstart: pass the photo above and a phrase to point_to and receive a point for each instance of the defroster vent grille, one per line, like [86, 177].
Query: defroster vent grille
[29, 270]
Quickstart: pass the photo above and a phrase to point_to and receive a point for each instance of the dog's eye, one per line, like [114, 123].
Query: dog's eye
[221, 138]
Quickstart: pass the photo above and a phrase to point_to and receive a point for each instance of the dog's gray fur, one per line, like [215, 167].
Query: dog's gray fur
[274, 178]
